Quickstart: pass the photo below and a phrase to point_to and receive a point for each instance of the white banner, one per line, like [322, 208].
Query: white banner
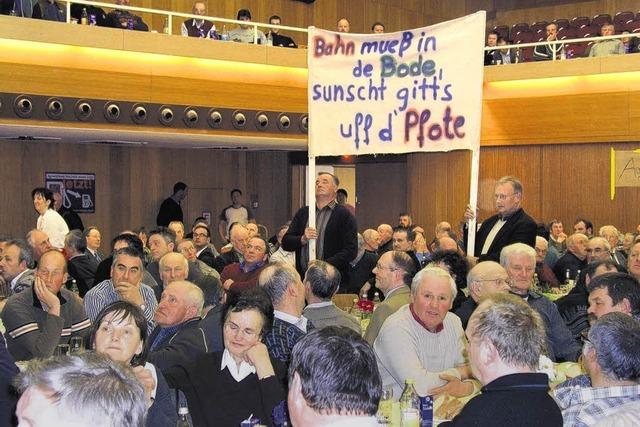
[418, 90]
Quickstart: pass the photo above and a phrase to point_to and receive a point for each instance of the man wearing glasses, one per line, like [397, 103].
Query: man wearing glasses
[485, 278]
[394, 272]
[519, 260]
[509, 225]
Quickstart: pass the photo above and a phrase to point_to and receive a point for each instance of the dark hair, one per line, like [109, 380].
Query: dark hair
[615, 337]
[338, 372]
[336, 181]
[179, 186]
[132, 252]
[132, 241]
[235, 190]
[493, 32]
[254, 298]
[243, 13]
[411, 235]
[501, 39]
[343, 192]
[458, 266]
[168, 235]
[373, 27]
[76, 240]
[124, 309]
[274, 17]
[589, 271]
[619, 286]
[26, 253]
[44, 192]
[324, 279]
[587, 224]
[406, 264]
[195, 227]
[88, 230]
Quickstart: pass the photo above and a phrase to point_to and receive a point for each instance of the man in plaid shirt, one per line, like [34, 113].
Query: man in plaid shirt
[612, 361]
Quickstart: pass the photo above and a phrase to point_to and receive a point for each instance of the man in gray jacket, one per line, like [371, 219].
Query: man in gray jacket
[321, 282]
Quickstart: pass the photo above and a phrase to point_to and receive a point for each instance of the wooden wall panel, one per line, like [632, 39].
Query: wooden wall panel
[382, 193]
[560, 181]
[131, 182]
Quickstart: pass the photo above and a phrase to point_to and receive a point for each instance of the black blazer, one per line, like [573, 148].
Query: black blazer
[340, 239]
[519, 227]
[207, 257]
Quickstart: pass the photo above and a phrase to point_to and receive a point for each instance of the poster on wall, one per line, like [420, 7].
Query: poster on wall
[78, 190]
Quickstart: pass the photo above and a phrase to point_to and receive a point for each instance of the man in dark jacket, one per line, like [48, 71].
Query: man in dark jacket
[510, 225]
[177, 338]
[335, 231]
[506, 338]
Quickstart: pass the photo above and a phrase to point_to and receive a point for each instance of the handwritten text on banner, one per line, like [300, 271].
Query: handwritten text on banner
[418, 90]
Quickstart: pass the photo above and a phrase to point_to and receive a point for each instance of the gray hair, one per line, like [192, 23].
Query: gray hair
[603, 241]
[514, 328]
[402, 261]
[193, 294]
[275, 280]
[516, 249]
[323, 278]
[90, 388]
[614, 337]
[515, 183]
[540, 239]
[26, 253]
[432, 272]
[477, 271]
[184, 260]
[76, 240]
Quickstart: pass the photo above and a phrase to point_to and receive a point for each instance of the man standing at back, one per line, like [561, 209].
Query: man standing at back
[170, 209]
[335, 231]
[509, 225]
[235, 212]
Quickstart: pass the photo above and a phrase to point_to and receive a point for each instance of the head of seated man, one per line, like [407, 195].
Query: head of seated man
[161, 241]
[343, 25]
[178, 229]
[583, 226]
[598, 249]
[238, 235]
[39, 242]
[188, 250]
[403, 239]
[333, 377]
[633, 261]
[181, 301]
[613, 292]
[80, 390]
[519, 260]
[16, 258]
[173, 267]
[485, 278]
[201, 236]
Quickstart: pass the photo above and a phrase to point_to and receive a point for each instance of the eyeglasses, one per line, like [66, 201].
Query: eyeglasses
[382, 267]
[200, 235]
[595, 250]
[246, 333]
[502, 196]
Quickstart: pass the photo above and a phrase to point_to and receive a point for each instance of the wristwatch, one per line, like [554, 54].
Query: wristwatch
[143, 307]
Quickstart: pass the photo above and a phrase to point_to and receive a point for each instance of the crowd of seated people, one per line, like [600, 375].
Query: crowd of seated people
[195, 327]
[623, 23]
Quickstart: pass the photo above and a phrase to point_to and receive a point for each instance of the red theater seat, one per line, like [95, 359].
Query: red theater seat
[539, 26]
[622, 18]
[503, 30]
[601, 19]
[518, 28]
[561, 23]
[580, 21]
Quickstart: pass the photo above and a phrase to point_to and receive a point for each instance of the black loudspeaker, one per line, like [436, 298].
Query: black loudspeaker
[23, 106]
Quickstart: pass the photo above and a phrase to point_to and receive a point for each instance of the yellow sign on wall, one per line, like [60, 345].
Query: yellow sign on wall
[625, 169]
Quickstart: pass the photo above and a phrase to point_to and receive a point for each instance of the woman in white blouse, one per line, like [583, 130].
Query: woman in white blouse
[49, 221]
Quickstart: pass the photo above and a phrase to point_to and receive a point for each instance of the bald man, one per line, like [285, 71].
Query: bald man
[386, 242]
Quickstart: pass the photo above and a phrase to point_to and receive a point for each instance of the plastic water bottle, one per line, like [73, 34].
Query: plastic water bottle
[376, 299]
[183, 417]
[84, 18]
[213, 34]
[269, 39]
[225, 34]
[165, 29]
[409, 405]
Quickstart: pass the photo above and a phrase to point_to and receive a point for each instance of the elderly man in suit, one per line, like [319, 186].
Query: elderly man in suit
[509, 225]
[394, 272]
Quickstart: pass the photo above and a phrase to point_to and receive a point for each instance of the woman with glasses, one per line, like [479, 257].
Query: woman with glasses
[119, 333]
[227, 387]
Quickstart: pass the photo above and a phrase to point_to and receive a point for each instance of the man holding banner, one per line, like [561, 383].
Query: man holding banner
[335, 231]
